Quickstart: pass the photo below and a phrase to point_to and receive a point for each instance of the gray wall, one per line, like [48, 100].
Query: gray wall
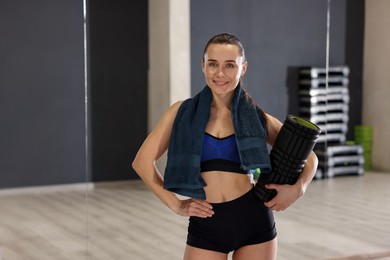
[41, 92]
[278, 36]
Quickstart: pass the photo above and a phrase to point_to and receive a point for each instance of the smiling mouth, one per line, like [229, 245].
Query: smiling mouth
[220, 83]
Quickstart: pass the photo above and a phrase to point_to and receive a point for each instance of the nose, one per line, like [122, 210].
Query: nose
[220, 72]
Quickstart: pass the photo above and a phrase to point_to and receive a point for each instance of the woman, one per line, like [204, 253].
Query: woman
[207, 161]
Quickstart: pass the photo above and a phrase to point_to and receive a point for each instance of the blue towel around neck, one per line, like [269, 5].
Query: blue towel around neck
[182, 172]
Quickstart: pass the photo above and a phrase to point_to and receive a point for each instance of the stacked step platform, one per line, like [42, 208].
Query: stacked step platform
[327, 105]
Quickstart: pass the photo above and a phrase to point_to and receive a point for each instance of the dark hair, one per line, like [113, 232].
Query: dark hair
[227, 38]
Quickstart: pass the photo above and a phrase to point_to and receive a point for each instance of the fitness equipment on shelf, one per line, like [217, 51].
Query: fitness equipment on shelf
[288, 156]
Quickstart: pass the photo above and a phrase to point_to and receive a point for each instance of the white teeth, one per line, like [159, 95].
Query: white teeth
[219, 83]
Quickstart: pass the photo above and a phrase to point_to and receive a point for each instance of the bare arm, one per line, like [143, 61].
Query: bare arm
[288, 194]
[151, 150]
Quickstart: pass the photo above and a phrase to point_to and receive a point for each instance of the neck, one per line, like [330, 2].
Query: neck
[222, 101]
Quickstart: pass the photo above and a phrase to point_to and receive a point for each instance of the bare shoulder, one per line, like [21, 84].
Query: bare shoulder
[157, 141]
[168, 117]
[273, 128]
[273, 122]
[171, 112]
[175, 106]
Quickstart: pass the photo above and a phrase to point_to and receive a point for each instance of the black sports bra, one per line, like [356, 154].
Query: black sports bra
[220, 154]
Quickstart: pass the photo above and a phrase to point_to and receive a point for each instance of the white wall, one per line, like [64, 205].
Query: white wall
[169, 58]
[376, 80]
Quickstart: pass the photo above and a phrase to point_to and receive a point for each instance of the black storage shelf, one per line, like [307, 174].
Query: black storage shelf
[324, 100]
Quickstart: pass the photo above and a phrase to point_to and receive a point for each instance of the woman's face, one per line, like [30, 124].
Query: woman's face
[223, 66]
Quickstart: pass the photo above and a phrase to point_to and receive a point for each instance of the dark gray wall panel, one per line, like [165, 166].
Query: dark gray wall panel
[354, 59]
[118, 63]
[41, 93]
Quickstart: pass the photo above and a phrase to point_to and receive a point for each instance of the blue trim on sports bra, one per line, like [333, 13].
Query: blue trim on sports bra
[219, 148]
[220, 154]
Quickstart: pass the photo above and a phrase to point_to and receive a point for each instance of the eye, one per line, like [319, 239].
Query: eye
[213, 64]
[230, 65]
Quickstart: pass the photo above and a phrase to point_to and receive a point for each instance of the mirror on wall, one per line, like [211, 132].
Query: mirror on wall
[332, 206]
[42, 114]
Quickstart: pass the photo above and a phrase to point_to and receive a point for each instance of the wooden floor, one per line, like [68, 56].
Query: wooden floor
[339, 218]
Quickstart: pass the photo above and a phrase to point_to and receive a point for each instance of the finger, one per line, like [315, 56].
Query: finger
[271, 203]
[198, 212]
[204, 203]
[272, 186]
[201, 208]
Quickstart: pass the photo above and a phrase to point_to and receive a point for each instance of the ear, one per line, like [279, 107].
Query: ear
[202, 64]
[244, 67]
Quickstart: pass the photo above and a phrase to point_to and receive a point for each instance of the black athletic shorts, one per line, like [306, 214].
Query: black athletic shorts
[237, 223]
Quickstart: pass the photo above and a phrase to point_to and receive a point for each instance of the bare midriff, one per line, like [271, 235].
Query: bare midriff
[225, 186]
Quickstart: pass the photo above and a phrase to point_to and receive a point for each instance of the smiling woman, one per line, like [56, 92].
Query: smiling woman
[224, 213]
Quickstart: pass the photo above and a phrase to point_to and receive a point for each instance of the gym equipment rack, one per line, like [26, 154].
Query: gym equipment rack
[327, 105]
